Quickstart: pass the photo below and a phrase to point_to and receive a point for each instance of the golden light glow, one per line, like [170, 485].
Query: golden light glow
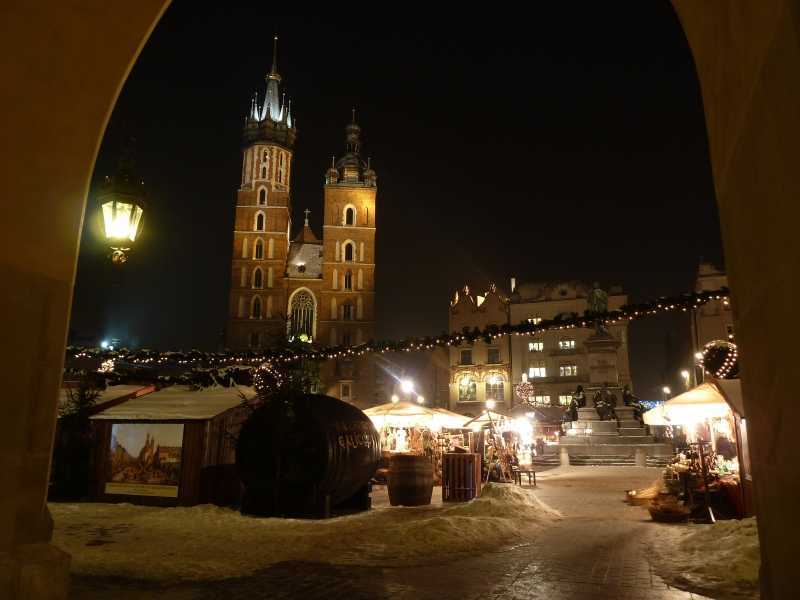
[121, 220]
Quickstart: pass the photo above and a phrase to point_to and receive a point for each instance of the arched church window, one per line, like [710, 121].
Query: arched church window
[255, 313]
[258, 278]
[258, 250]
[350, 216]
[262, 197]
[349, 252]
[260, 222]
[348, 280]
[302, 315]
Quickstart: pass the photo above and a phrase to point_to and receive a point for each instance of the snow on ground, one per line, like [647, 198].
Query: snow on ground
[209, 542]
[720, 559]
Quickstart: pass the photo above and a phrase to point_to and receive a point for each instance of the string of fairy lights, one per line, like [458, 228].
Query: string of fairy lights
[200, 361]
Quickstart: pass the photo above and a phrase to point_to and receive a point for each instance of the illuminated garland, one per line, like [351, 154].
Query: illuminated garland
[210, 360]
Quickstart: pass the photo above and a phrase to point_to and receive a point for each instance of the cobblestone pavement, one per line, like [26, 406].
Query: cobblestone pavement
[598, 551]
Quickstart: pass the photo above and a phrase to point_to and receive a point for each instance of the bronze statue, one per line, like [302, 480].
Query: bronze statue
[597, 304]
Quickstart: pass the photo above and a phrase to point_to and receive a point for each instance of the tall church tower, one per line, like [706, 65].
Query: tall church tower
[262, 227]
[348, 295]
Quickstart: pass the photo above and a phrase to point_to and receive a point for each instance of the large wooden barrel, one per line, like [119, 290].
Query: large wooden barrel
[410, 480]
[305, 454]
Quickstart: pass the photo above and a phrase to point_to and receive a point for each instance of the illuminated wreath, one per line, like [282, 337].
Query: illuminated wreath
[721, 359]
[267, 380]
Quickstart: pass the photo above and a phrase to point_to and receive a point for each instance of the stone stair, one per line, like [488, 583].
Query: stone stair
[590, 441]
[600, 460]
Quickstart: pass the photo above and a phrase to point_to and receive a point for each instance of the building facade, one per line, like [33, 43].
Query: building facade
[319, 289]
[554, 362]
[713, 320]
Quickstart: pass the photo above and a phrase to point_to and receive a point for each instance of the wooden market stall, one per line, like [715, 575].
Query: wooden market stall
[171, 447]
[712, 452]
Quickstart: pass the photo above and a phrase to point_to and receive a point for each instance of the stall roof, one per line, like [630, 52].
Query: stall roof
[110, 394]
[702, 402]
[407, 414]
[732, 391]
[178, 403]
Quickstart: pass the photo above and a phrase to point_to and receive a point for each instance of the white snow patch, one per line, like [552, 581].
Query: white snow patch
[721, 559]
[209, 542]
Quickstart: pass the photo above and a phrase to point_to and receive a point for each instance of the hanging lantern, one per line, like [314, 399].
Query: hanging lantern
[122, 205]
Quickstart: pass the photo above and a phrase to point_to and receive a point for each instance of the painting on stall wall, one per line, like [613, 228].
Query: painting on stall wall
[145, 459]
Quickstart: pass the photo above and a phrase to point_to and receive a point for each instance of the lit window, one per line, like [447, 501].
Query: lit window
[465, 357]
[258, 252]
[535, 320]
[568, 370]
[348, 280]
[302, 314]
[493, 356]
[350, 216]
[467, 389]
[344, 389]
[494, 390]
[537, 370]
[566, 344]
[535, 346]
[539, 400]
[564, 400]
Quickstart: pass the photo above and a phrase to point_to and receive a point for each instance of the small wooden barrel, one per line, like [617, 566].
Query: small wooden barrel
[410, 480]
[461, 476]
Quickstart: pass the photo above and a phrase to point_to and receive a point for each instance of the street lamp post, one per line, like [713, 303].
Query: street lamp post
[686, 380]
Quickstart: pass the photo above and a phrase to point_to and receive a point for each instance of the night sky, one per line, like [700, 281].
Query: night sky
[565, 143]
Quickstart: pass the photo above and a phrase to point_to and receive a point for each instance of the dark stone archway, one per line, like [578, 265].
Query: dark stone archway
[63, 67]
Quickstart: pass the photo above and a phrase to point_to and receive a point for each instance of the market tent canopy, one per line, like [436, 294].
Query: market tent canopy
[178, 402]
[731, 390]
[702, 402]
[408, 414]
[485, 418]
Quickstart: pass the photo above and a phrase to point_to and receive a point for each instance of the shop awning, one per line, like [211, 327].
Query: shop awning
[702, 402]
[408, 414]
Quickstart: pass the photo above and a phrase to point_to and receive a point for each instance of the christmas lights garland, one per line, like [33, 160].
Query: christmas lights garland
[213, 361]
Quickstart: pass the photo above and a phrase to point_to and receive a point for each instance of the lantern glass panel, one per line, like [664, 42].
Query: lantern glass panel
[121, 219]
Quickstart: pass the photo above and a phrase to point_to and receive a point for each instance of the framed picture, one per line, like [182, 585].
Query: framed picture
[145, 459]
